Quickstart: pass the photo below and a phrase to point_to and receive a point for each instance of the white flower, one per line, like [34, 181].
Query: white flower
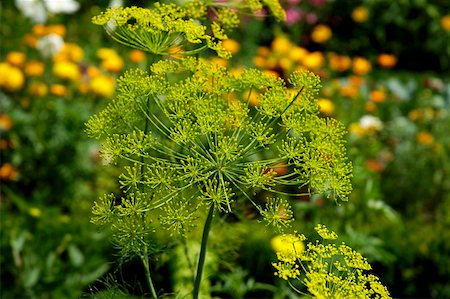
[115, 3]
[33, 9]
[62, 6]
[49, 45]
[370, 122]
[37, 10]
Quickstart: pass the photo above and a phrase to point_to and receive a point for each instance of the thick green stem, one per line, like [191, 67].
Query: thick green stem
[201, 258]
[144, 259]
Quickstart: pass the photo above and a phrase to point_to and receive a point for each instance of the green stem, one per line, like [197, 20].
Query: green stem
[201, 258]
[144, 259]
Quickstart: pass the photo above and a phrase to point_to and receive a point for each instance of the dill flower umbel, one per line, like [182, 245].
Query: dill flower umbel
[329, 270]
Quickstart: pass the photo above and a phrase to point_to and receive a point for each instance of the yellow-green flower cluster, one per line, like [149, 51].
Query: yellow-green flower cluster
[330, 271]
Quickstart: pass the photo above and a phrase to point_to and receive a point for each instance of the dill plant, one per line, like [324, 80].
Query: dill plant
[326, 269]
[188, 140]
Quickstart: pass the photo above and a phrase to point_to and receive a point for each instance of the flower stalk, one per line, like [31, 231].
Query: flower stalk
[201, 258]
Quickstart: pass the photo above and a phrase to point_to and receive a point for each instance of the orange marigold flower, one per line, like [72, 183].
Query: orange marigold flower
[386, 60]
[15, 58]
[425, 138]
[58, 90]
[445, 22]
[370, 107]
[374, 165]
[136, 56]
[263, 51]
[356, 80]
[377, 96]
[30, 40]
[360, 14]
[259, 61]
[281, 45]
[38, 89]
[5, 122]
[92, 71]
[8, 172]
[339, 63]
[58, 29]
[349, 91]
[39, 30]
[321, 33]
[231, 45]
[361, 66]
[34, 68]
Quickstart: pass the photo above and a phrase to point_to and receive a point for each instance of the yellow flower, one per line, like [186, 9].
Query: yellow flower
[445, 22]
[136, 56]
[425, 138]
[102, 86]
[285, 63]
[321, 34]
[35, 212]
[231, 45]
[314, 60]
[66, 70]
[38, 89]
[326, 106]
[105, 53]
[5, 122]
[11, 77]
[281, 45]
[297, 54]
[288, 246]
[361, 66]
[15, 58]
[34, 68]
[58, 90]
[360, 14]
[356, 130]
[71, 52]
[113, 64]
[377, 96]
[386, 60]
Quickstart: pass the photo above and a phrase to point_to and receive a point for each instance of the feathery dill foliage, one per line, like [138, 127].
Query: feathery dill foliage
[329, 270]
[167, 27]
